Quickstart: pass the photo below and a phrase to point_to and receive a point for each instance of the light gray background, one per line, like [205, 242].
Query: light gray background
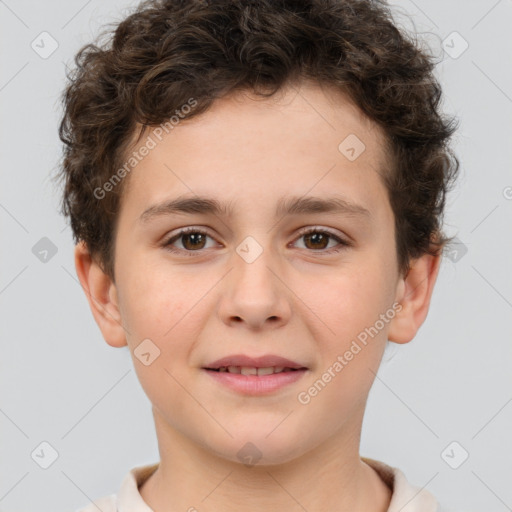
[61, 383]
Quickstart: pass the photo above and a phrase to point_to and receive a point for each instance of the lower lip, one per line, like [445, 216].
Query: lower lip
[254, 384]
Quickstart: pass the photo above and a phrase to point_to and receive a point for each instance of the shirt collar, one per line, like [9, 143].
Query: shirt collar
[405, 498]
[128, 498]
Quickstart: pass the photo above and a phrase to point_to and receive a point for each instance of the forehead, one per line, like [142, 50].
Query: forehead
[304, 138]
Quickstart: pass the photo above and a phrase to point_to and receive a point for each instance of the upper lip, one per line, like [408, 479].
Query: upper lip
[242, 360]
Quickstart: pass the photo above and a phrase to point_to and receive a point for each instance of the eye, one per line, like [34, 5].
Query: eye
[319, 238]
[194, 239]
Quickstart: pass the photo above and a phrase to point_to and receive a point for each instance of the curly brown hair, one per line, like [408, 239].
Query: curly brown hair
[168, 51]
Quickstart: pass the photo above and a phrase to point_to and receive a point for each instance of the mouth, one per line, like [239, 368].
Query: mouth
[251, 370]
[248, 365]
[255, 375]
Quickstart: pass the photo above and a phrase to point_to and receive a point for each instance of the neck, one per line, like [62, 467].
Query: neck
[331, 477]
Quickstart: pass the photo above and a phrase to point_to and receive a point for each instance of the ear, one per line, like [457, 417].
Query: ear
[414, 292]
[102, 296]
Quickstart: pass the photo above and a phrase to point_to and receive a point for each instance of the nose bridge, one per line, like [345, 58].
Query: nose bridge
[252, 273]
[253, 293]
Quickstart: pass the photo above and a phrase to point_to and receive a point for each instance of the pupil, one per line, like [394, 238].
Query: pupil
[315, 237]
[195, 237]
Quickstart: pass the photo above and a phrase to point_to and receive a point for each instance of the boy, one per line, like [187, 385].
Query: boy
[256, 192]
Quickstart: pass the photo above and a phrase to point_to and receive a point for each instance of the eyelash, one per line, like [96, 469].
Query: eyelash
[343, 243]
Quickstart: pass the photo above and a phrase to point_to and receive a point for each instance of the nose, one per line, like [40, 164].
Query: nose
[254, 294]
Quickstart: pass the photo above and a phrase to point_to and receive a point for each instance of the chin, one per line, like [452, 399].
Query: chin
[252, 448]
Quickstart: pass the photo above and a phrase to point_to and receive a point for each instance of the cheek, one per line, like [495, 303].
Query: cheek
[157, 305]
[350, 340]
[351, 336]
[348, 300]
[151, 301]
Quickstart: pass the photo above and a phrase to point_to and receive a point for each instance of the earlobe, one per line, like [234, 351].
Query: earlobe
[414, 292]
[101, 294]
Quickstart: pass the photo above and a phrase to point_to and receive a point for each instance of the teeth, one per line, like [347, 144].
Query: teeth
[266, 371]
[248, 370]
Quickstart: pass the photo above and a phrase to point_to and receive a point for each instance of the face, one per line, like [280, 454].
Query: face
[246, 279]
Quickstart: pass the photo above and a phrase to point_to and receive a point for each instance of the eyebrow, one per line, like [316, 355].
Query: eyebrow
[285, 206]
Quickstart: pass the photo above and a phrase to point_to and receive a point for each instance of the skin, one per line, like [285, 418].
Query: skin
[290, 301]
